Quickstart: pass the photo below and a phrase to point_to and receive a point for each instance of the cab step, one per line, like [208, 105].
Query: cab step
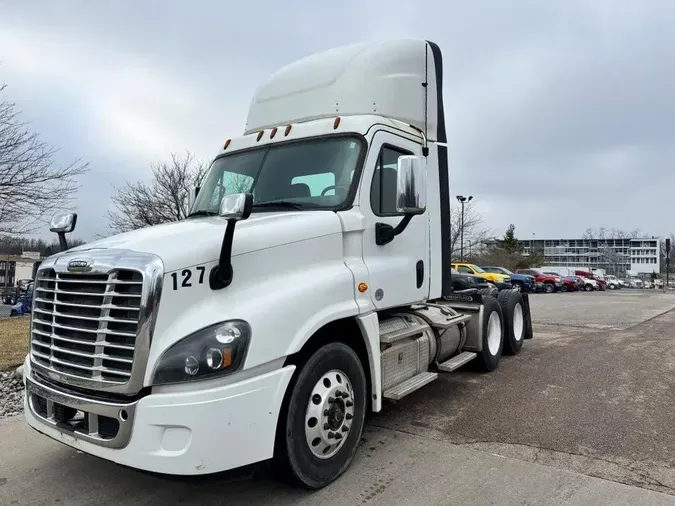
[398, 334]
[409, 386]
[457, 361]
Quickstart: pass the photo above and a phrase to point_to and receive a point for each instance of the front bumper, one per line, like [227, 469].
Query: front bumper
[504, 285]
[184, 433]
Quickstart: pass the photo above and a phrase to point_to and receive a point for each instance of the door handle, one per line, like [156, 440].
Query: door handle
[419, 268]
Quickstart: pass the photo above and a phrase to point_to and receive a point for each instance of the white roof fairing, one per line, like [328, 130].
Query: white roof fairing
[382, 78]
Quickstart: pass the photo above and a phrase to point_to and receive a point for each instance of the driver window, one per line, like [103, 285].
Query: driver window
[383, 186]
[464, 269]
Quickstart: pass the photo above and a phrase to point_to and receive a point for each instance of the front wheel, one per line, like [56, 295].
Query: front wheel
[321, 424]
[563, 288]
[549, 288]
[589, 288]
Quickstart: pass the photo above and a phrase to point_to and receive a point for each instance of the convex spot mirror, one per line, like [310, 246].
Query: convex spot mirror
[63, 223]
[411, 185]
[236, 206]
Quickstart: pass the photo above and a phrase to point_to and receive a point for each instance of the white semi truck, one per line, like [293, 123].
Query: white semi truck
[310, 284]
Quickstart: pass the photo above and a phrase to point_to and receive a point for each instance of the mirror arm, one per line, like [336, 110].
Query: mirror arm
[63, 243]
[222, 274]
[385, 233]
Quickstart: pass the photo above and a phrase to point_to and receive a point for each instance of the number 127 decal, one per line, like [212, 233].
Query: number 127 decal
[186, 276]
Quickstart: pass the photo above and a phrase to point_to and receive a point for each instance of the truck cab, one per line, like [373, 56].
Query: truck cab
[310, 284]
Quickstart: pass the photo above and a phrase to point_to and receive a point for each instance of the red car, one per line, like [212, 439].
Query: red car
[587, 274]
[552, 282]
[568, 283]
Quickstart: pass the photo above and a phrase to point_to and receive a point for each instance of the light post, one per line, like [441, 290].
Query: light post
[462, 200]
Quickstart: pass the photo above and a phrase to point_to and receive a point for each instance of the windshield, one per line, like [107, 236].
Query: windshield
[476, 268]
[314, 173]
[498, 270]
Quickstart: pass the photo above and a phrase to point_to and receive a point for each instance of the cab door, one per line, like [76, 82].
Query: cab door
[398, 270]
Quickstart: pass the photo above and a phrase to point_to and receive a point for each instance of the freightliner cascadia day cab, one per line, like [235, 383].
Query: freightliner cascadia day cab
[310, 284]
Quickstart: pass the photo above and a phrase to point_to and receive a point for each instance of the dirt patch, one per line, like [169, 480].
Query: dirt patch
[13, 341]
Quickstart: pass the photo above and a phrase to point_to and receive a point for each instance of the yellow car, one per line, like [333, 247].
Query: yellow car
[501, 280]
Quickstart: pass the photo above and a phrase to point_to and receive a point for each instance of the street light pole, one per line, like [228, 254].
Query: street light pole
[462, 200]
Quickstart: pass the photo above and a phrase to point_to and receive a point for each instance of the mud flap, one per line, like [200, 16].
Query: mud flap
[527, 316]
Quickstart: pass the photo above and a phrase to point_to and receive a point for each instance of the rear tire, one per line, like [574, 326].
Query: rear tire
[513, 316]
[493, 335]
[588, 287]
[326, 400]
[549, 287]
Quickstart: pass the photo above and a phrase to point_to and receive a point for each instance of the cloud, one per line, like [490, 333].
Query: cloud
[559, 113]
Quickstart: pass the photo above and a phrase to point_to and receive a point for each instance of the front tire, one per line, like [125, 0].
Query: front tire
[589, 288]
[493, 335]
[322, 421]
[549, 287]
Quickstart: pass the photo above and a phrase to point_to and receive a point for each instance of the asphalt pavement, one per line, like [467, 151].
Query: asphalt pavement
[582, 416]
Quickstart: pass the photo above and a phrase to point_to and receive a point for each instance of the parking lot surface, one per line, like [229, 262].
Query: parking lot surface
[582, 416]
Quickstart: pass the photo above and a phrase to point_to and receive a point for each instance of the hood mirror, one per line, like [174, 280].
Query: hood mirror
[63, 224]
[234, 208]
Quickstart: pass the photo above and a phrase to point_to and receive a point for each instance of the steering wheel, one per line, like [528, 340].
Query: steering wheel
[333, 187]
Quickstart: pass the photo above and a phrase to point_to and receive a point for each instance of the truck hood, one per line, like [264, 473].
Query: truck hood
[198, 240]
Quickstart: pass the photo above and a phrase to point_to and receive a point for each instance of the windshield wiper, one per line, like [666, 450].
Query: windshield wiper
[282, 203]
[202, 213]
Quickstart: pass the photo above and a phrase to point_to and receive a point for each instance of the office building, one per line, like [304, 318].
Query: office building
[617, 256]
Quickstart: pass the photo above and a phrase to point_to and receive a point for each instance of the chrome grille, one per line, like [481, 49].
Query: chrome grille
[85, 325]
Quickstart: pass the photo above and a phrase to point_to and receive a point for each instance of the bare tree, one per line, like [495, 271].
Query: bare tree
[614, 233]
[17, 245]
[32, 186]
[474, 234]
[163, 200]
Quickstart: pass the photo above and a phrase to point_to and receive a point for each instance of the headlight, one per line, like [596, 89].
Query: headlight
[216, 350]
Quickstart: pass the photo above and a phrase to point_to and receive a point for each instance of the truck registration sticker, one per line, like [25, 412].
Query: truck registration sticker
[186, 275]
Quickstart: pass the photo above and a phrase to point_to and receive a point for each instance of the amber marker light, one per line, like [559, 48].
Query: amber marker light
[363, 287]
[336, 123]
[260, 134]
[227, 143]
[287, 131]
[273, 133]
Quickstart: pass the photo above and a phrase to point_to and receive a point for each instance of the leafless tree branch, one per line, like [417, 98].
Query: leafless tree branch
[32, 186]
[164, 199]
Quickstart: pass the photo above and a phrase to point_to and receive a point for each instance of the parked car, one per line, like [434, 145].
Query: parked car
[462, 281]
[501, 281]
[589, 275]
[578, 282]
[568, 285]
[522, 282]
[24, 302]
[613, 282]
[551, 282]
[590, 284]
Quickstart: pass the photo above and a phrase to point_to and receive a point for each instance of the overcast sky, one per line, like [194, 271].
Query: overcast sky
[560, 114]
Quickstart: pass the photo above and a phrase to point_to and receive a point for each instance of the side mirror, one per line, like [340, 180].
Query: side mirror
[236, 207]
[192, 196]
[63, 224]
[411, 185]
[233, 207]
